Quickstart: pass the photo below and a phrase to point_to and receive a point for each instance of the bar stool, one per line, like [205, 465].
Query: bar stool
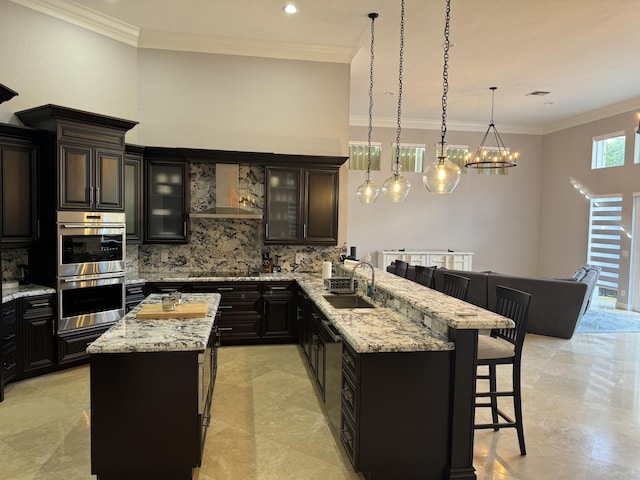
[424, 275]
[455, 285]
[504, 347]
[401, 268]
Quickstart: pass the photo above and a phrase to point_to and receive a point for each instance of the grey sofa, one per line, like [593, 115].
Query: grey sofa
[556, 305]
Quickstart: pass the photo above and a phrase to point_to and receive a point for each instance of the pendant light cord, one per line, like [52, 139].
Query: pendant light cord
[397, 163]
[373, 17]
[445, 79]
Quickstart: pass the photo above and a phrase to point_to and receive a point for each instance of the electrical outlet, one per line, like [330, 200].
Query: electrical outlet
[299, 257]
[164, 257]
[623, 293]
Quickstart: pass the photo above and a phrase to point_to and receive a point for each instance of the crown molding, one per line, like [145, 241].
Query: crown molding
[420, 124]
[245, 47]
[594, 115]
[84, 17]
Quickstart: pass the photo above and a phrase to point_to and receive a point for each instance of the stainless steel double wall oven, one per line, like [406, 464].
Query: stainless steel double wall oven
[90, 268]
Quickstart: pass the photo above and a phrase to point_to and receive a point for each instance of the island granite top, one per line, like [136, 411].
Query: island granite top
[130, 335]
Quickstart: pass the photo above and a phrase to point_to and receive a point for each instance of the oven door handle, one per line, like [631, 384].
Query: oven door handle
[102, 276]
[92, 225]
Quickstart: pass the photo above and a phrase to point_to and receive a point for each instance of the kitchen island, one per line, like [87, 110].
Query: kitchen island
[151, 390]
[407, 382]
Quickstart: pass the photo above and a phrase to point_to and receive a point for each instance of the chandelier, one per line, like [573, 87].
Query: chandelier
[443, 176]
[396, 188]
[491, 157]
[368, 191]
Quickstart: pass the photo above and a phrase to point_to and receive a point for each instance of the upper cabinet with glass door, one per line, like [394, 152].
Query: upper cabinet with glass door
[301, 206]
[167, 198]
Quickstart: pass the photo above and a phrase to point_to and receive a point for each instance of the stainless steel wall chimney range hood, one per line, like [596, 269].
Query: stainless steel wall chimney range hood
[227, 196]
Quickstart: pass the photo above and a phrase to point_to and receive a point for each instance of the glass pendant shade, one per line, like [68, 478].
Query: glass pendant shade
[396, 188]
[368, 192]
[442, 176]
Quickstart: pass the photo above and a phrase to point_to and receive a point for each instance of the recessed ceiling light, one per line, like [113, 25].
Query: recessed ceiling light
[290, 8]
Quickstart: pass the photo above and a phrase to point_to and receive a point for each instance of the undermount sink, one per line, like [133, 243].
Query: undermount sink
[348, 301]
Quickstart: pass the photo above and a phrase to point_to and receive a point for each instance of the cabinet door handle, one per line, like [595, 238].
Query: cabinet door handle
[225, 289]
[278, 288]
[9, 337]
[184, 228]
[97, 195]
[228, 307]
[38, 305]
[266, 230]
[304, 231]
[225, 329]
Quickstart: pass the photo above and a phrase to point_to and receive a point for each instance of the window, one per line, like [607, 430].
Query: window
[411, 157]
[455, 154]
[358, 155]
[605, 233]
[608, 151]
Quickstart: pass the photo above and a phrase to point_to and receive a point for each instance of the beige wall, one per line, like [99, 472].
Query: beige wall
[496, 217]
[565, 211]
[50, 61]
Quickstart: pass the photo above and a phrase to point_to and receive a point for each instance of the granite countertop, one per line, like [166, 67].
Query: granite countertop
[30, 290]
[394, 325]
[130, 335]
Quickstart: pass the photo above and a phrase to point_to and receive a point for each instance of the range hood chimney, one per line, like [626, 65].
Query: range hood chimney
[227, 196]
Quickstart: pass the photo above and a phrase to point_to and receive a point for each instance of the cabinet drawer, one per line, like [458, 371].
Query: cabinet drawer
[280, 288]
[348, 439]
[135, 289]
[348, 400]
[10, 364]
[233, 306]
[238, 330]
[349, 362]
[9, 313]
[33, 307]
[8, 333]
[73, 346]
[228, 290]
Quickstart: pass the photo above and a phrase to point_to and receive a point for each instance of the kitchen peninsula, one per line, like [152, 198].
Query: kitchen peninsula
[151, 391]
[406, 369]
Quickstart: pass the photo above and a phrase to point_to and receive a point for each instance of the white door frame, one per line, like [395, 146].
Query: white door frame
[634, 274]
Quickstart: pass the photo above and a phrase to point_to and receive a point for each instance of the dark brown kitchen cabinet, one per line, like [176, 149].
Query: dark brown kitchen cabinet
[278, 304]
[37, 333]
[150, 412]
[72, 344]
[391, 419]
[84, 153]
[301, 206]
[239, 314]
[167, 200]
[19, 169]
[91, 178]
[9, 339]
[134, 294]
[133, 187]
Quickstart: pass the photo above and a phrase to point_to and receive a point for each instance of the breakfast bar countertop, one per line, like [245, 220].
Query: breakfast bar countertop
[130, 335]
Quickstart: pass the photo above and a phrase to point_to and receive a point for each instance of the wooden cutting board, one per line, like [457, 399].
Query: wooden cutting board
[184, 310]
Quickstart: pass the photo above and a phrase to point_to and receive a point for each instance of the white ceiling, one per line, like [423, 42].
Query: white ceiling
[582, 51]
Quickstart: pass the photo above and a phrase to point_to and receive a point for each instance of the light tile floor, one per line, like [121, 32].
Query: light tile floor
[581, 409]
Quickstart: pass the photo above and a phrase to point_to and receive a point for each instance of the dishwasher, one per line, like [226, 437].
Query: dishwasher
[332, 339]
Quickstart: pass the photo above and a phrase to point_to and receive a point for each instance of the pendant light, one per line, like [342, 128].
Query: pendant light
[396, 188]
[443, 176]
[499, 157]
[368, 192]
